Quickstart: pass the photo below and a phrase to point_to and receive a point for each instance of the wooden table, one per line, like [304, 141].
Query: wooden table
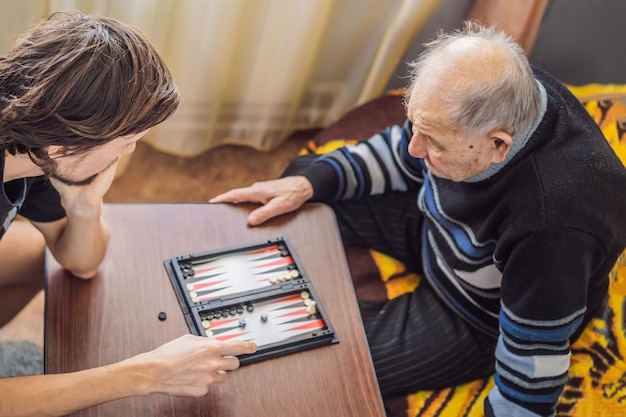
[115, 315]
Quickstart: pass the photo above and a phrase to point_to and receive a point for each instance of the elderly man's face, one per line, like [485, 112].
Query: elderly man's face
[447, 152]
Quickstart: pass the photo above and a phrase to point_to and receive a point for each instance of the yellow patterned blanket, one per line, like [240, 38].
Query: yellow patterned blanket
[597, 384]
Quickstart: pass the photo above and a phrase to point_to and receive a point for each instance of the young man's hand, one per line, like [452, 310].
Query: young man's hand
[77, 199]
[79, 241]
[189, 365]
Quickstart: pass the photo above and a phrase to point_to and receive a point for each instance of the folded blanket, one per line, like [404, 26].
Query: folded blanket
[597, 383]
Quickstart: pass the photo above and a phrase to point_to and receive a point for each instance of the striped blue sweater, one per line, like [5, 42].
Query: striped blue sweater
[522, 251]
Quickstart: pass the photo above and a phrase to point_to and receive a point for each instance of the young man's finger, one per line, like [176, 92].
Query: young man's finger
[237, 348]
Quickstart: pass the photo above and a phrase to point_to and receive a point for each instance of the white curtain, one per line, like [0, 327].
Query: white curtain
[252, 71]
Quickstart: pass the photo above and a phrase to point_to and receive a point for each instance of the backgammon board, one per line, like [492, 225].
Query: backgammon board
[257, 292]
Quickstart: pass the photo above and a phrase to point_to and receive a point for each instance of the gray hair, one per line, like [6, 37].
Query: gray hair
[509, 102]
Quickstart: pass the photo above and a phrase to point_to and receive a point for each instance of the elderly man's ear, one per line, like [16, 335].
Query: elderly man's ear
[501, 143]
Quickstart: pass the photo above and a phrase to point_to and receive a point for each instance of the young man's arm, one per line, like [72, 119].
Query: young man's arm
[186, 366]
[79, 241]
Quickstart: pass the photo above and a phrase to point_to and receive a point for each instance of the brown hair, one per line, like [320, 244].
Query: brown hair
[79, 81]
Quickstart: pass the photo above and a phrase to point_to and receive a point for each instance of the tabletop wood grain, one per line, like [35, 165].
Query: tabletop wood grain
[115, 315]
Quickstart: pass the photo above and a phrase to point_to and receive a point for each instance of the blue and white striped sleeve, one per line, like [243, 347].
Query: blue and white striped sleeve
[374, 166]
[543, 304]
[532, 362]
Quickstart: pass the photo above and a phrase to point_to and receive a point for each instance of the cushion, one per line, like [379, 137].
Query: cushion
[598, 369]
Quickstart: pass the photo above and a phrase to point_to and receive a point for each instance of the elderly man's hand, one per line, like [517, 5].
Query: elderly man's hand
[277, 197]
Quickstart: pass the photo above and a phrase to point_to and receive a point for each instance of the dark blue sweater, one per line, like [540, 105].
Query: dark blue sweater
[523, 250]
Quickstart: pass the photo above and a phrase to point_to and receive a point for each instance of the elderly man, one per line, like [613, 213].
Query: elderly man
[499, 189]
[76, 93]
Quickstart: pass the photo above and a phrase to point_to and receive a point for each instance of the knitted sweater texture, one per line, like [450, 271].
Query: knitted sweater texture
[522, 251]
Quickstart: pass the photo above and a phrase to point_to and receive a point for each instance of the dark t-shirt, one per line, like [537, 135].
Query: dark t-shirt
[33, 197]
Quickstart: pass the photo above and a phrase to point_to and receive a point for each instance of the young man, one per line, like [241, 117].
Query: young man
[76, 93]
[500, 190]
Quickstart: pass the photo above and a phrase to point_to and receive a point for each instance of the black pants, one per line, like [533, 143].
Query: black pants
[416, 341]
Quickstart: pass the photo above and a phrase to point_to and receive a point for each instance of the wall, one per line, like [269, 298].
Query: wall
[580, 41]
[448, 17]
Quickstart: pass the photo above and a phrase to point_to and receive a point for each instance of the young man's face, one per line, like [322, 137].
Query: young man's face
[82, 169]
